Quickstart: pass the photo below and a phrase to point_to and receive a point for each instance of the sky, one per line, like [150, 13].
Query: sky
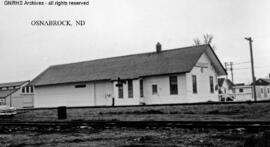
[123, 27]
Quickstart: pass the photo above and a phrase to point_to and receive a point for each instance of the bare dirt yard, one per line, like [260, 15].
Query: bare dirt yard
[128, 137]
[219, 112]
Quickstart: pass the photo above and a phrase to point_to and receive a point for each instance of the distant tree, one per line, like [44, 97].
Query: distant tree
[207, 39]
[197, 41]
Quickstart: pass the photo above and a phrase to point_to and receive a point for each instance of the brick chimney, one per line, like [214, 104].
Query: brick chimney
[158, 47]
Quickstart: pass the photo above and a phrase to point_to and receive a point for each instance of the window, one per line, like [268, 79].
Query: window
[201, 69]
[120, 92]
[31, 89]
[211, 84]
[80, 86]
[130, 89]
[173, 85]
[268, 89]
[194, 84]
[141, 88]
[28, 89]
[241, 90]
[262, 90]
[154, 89]
[2, 101]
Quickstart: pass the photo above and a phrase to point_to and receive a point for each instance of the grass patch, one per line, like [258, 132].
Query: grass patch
[254, 111]
[150, 111]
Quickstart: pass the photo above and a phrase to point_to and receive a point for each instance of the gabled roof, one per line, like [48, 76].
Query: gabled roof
[221, 81]
[262, 81]
[229, 82]
[12, 84]
[267, 80]
[172, 61]
[239, 84]
[5, 93]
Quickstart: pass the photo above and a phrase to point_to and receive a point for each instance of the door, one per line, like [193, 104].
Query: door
[104, 93]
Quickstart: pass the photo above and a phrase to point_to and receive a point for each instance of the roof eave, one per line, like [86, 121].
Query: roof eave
[224, 71]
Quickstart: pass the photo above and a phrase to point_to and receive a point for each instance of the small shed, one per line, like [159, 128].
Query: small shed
[16, 94]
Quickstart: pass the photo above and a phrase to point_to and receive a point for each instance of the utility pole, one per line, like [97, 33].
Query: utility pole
[231, 64]
[226, 69]
[252, 67]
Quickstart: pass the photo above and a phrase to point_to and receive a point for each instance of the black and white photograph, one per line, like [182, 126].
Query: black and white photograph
[134, 73]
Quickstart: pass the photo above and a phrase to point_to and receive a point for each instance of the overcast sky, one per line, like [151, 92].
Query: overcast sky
[122, 27]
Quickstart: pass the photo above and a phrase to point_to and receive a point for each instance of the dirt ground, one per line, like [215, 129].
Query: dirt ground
[220, 112]
[124, 137]
[127, 137]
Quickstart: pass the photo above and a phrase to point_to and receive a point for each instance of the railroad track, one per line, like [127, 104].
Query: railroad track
[152, 105]
[143, 124]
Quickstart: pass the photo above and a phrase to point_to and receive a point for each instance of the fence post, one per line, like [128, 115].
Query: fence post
[62, 112]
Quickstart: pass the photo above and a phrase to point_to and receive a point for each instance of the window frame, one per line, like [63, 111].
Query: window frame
[173, 83]
[241, 90]
[211, 82]
[154, 89]
[130, 88]
[194, 84]
[121, 92]
[27, 89]
[141, 88]
[80, 86]
[31, 89]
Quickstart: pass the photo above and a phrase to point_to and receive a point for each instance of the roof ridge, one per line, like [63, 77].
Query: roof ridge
[14, 82]
[167, 50]
[8, 84]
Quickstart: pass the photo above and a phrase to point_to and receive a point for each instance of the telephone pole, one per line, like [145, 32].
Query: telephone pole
[252, 67]
[231, 64]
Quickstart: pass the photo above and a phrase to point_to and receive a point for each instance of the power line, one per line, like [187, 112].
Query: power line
[241, 68]
[238, 63]
[266, 66]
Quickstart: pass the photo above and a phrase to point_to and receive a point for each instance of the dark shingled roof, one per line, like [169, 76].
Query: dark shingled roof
[11, 84]
[267, 80]
[5, 93]
[262, 81]
[222, 80]
[179, 60]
